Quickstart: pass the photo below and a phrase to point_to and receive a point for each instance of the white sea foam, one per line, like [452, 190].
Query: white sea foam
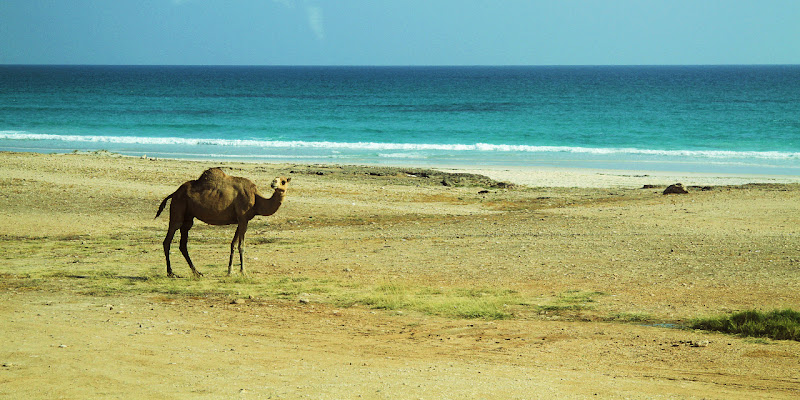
[397, 147]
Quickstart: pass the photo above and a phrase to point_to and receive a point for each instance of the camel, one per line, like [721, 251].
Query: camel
[218, 199]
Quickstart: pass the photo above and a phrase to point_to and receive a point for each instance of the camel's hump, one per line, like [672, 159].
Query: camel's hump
[212, 174]
[215, 178]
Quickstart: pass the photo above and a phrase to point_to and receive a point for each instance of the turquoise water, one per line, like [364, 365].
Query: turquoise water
[743, 119]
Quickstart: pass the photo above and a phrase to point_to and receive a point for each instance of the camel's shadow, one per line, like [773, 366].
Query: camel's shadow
[121, 277]
[265, 240]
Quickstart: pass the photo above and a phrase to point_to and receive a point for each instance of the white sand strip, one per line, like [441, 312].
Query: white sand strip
[599, 178]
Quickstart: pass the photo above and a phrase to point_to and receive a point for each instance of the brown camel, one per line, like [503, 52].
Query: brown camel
[218, 199]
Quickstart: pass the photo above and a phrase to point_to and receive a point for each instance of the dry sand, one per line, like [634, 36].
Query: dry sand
[607, 271]
[609, 178]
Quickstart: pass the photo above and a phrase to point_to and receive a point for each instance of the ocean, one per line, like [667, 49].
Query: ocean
[716, 119]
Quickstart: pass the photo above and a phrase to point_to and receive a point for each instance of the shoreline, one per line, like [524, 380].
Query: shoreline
[532, 176]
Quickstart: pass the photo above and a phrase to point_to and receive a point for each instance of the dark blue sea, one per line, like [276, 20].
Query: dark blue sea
[728, 119]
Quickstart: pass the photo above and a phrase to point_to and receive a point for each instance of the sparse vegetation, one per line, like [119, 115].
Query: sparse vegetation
[777, 324]
[571, 300]
[453, 302]
[632, 317]
[469, 303]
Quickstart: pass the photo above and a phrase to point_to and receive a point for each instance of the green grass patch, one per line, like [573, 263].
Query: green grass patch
[777, 324]
[489, 304]
[450, 302]
[571, 300]
[631, 317]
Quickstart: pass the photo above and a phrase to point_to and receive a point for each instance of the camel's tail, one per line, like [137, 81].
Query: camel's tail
[163, 204]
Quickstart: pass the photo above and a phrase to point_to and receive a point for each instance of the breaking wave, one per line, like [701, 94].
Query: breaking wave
[401, 147]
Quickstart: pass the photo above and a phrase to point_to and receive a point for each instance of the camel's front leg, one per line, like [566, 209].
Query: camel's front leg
[233, 243]
[241, 248]
[238, 238]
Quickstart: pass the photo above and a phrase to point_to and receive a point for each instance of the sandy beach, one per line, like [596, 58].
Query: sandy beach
[378, 282]
[610, 178]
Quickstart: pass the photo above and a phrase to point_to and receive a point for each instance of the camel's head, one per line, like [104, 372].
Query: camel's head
[281, 183]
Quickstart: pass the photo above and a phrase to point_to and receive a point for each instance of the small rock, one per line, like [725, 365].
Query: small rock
[8, 365]
[675, 189]
[700, 343]
[238, 301]
[62, 346]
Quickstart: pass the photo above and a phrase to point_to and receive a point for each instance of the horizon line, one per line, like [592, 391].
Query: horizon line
[389, 65]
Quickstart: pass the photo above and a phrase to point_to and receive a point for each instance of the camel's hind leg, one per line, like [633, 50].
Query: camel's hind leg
[184, 245]
[238, 237]
[167, 243]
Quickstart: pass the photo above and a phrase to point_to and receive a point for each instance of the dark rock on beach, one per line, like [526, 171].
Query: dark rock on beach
[675, 189]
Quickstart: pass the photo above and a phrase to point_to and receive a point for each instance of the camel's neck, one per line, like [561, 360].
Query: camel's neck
[268, 206]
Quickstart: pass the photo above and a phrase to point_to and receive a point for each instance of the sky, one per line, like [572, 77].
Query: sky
[399, 32]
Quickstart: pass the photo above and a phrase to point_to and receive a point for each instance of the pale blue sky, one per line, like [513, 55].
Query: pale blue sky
[399, 32]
